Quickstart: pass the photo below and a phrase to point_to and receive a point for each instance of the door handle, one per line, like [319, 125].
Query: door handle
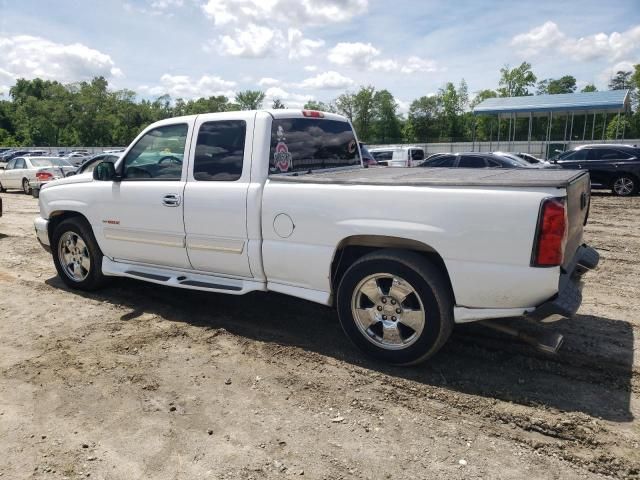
[171, 200]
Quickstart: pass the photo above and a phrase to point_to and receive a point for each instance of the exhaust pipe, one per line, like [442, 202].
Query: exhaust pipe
[544, 341]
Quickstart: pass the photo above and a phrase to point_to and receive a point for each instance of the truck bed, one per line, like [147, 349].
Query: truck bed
[459, 177]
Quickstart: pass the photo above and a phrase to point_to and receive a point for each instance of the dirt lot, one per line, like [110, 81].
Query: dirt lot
[142, 381]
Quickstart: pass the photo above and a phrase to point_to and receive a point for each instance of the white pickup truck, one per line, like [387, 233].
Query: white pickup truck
[279, 201]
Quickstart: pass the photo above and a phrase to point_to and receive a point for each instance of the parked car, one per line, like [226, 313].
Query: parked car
[367, 158]
[529, 158]
[615, 167]
[21, 171]
[474, 160]
[231, 213]
[76, 158]
[59, 168]
[36, 153]
[398, 156]
[90, 163]
[12, 154]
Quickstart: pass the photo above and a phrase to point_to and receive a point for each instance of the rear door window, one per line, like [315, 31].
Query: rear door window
[469, 161]
[303, 144]
[608, 154]
[440, 161]
[220, 151]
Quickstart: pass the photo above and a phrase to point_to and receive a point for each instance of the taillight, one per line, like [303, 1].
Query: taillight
[551, 235]
[312, 114]
[44, 176]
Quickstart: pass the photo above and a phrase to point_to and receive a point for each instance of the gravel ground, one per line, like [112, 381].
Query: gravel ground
[143, 381]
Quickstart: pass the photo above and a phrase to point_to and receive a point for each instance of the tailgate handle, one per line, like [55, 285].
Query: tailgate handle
[583, 200]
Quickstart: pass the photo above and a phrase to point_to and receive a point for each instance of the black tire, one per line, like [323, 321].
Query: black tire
[35, 192]
[2, 189]
[80, 227]
[25, 186]
[624, 185]
[429, 285]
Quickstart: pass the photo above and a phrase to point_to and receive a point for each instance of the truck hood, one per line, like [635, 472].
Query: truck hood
[82, 178]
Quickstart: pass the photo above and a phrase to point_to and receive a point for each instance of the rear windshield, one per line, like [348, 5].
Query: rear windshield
[303, 144]
[41, 162]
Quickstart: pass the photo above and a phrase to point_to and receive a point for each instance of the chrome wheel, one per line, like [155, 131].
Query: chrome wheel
[388, 311]
[623, 186]
[74, 256]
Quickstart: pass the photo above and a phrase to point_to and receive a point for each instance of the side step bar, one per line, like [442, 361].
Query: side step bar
[181, 279]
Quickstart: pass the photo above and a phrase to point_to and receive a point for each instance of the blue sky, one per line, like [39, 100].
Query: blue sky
[297, 50]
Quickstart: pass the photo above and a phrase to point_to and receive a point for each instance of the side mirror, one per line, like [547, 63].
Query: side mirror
[105, 172]
[70, 174]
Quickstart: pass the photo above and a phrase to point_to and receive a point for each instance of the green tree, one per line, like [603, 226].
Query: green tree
[250, 99]
[621, 81]
[364, 112]
[346, 105]
[277, 104]
[565, 84]
[516, 82]
[589, 88]
[320, 106]
[422, 120]
[386, 126]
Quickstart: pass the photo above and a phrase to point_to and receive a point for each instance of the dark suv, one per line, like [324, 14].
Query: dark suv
[611, 166]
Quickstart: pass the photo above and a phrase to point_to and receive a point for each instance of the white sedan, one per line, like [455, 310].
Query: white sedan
[21, 171]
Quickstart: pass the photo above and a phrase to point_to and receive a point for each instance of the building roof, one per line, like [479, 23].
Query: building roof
[611, 101]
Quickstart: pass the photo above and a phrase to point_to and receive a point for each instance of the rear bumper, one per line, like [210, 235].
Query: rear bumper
[569, 297]
[42, 232]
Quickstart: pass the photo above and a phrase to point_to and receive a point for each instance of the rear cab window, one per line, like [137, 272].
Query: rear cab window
[309, 144]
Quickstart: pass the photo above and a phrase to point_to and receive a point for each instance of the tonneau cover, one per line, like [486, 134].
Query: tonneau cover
[438, 176]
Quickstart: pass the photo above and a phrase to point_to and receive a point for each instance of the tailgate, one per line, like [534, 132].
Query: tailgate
[578, 199]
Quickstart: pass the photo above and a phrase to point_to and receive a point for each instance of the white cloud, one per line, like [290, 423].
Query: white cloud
[353, 54]
[417, 64]
[299, 46]
[386, 65]
[548, 38]
[29, 57]
[327, 80]
[256, 41]
[295, 12]
[366, 56]
[310, 68]
[183, 86]
[290, 99]
[268, 82]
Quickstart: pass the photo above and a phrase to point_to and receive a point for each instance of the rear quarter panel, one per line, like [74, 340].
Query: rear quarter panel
[485, 236]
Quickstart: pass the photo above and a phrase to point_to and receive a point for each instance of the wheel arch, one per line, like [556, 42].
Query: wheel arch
[57, 216]
[354, 247]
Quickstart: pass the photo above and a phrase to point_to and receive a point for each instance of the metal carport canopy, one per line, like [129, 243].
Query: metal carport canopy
[612, 101]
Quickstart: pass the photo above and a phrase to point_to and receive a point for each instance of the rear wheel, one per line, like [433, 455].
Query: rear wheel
[25, 186]
[2, 189]
[76, 255]
[624, 186]
[396, 306]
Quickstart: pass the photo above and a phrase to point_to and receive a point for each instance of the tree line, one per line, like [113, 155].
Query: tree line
[47, 113]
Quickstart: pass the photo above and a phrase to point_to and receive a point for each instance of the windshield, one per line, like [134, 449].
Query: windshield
[303, 144]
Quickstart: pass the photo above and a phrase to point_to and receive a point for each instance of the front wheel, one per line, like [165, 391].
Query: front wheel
[396, 306]
[76, 255]
[624, 186]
